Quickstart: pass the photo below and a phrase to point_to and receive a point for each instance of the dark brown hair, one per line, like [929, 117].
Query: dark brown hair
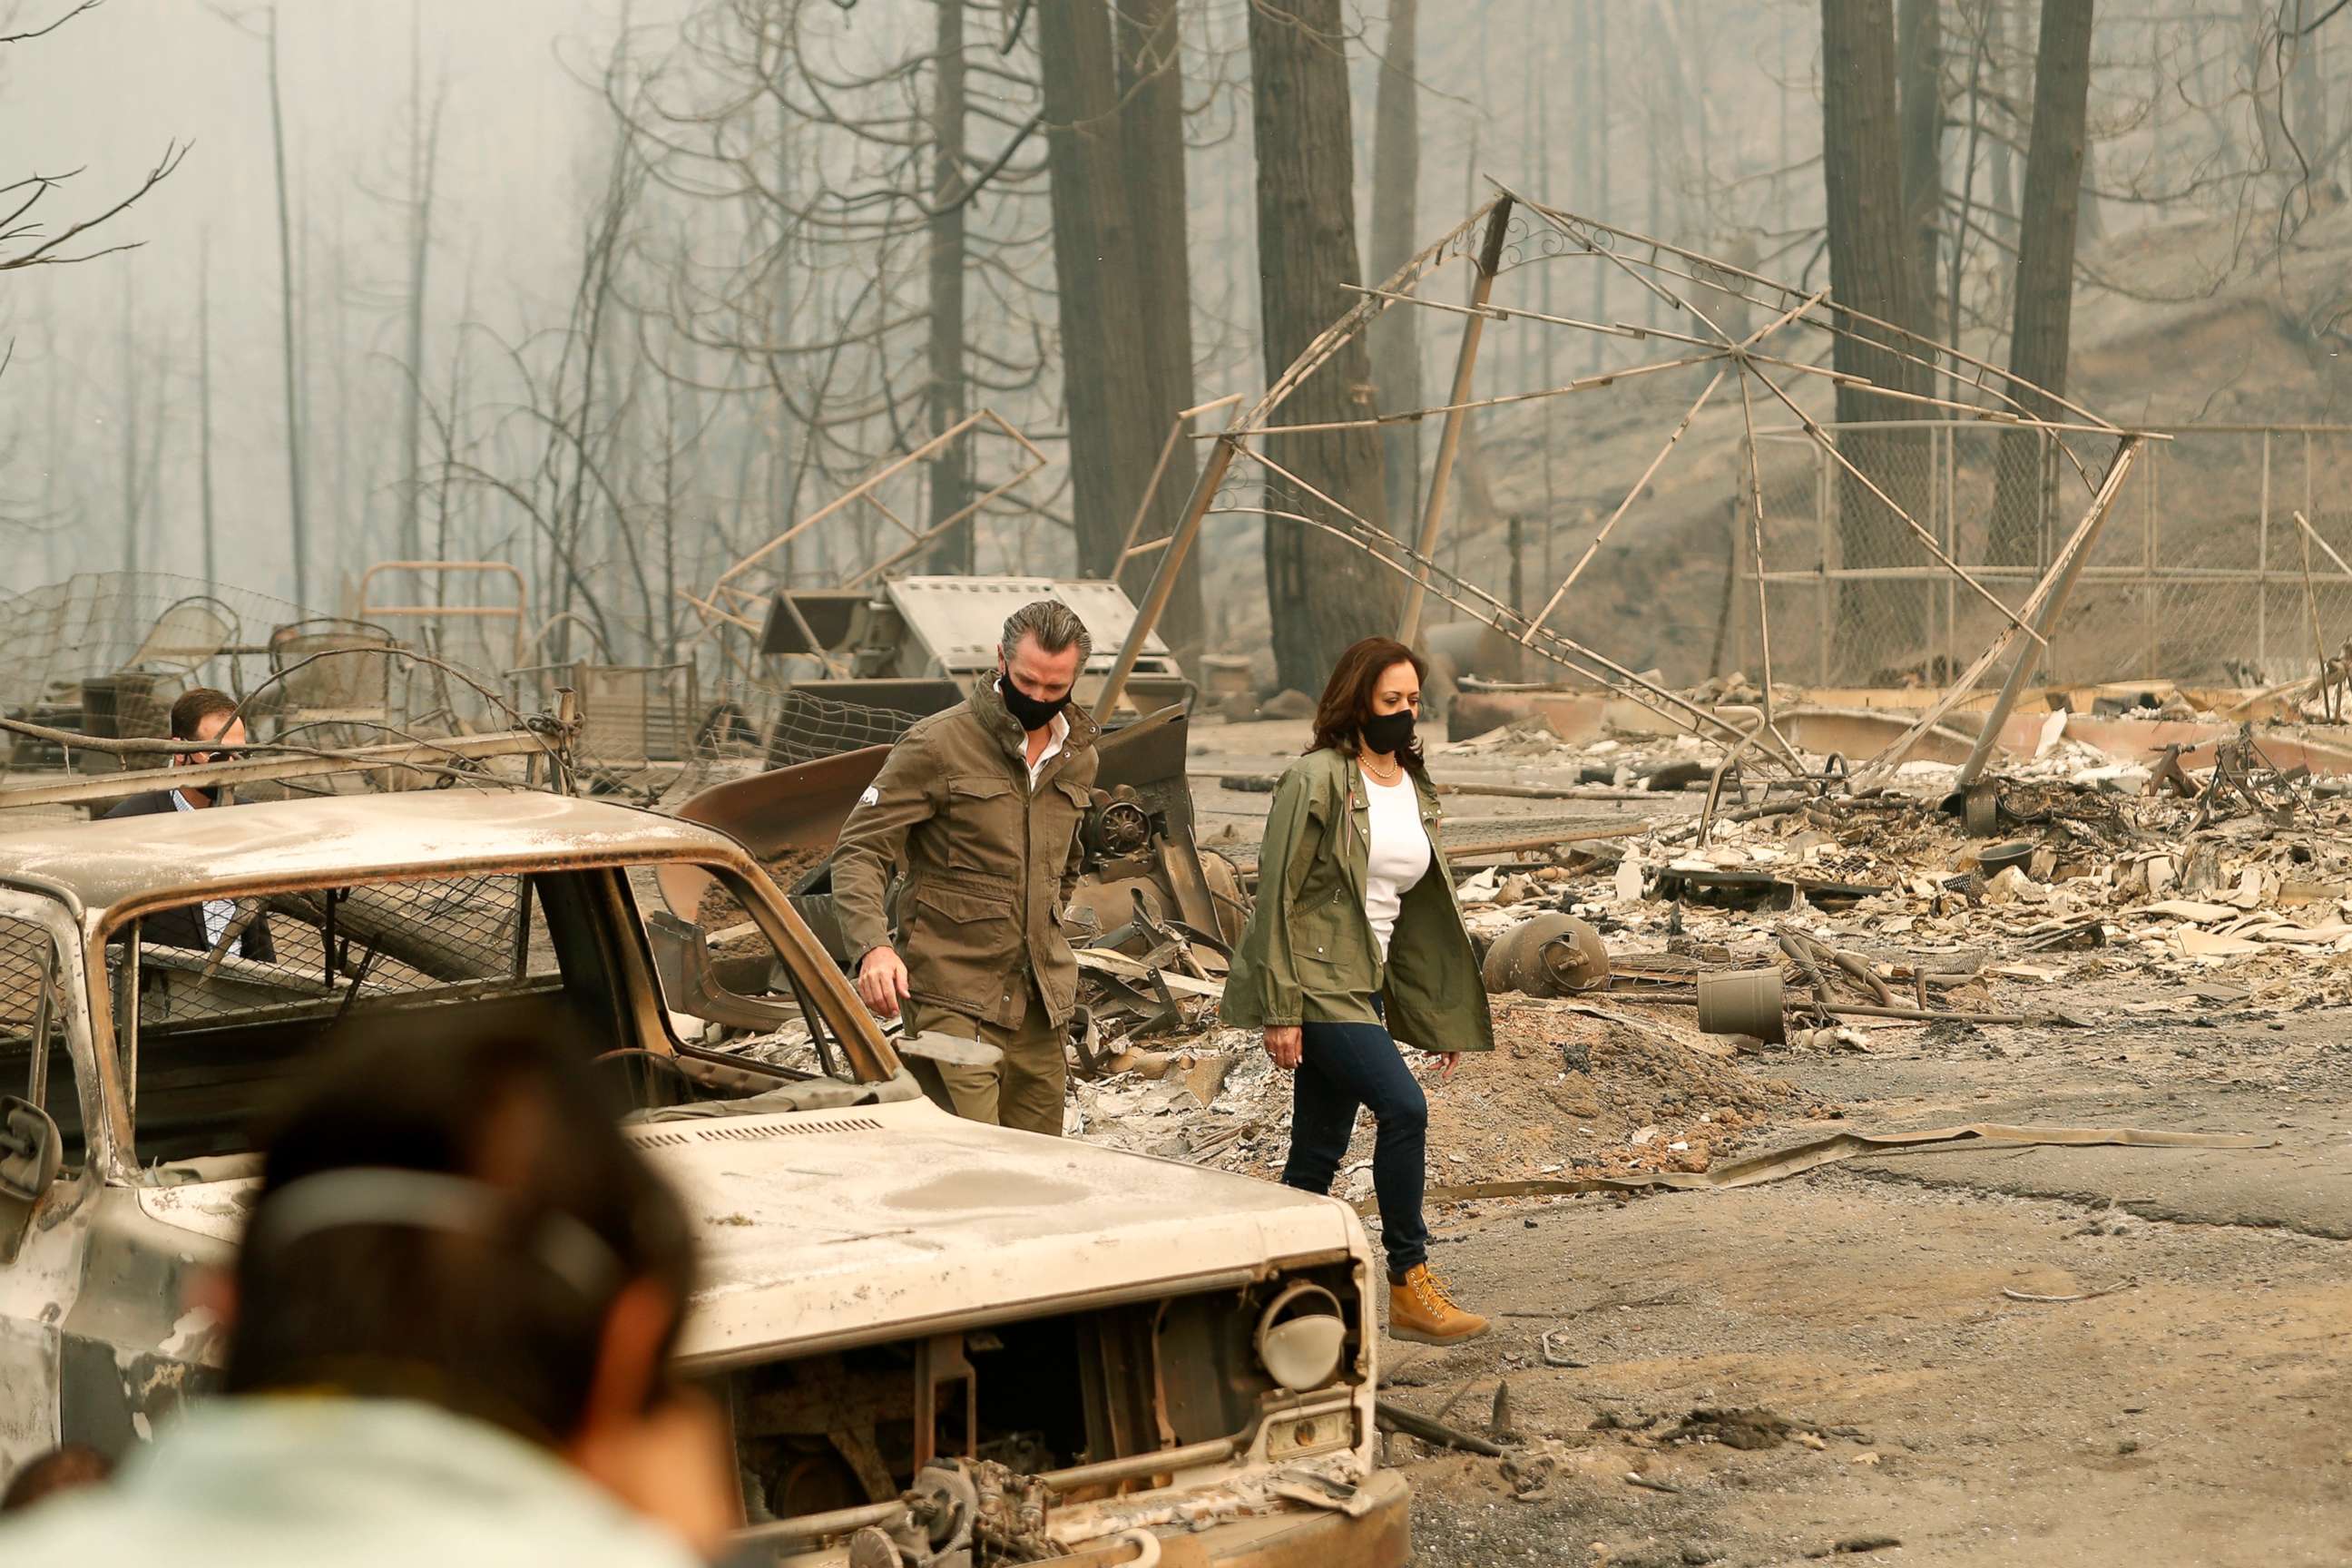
[482, 1323]
[196, 705]
[1348, 696]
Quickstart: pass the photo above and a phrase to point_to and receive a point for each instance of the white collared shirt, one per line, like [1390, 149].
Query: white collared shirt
[1061, 728]
[218, 913]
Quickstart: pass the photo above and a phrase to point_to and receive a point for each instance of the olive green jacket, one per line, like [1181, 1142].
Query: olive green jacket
[1309, 954]
[989, 862]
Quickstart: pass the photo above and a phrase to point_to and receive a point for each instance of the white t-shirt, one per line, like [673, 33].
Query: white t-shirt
[1398, 854]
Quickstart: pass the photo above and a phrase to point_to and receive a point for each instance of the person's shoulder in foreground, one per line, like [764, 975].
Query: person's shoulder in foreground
[450, 1329]
[292, 1480]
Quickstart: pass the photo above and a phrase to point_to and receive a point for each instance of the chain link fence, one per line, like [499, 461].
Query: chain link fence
[2200, 576]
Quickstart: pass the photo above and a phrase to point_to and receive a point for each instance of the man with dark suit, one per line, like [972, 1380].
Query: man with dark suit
[200, 714]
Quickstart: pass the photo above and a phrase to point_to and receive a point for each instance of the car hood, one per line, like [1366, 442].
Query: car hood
[823, 1229]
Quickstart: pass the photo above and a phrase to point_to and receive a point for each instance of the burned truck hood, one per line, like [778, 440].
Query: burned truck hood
[823, 1229]
[826, 1229]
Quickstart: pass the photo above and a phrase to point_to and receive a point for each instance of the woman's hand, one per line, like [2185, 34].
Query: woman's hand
[1284, 1043]
[1448, 1061]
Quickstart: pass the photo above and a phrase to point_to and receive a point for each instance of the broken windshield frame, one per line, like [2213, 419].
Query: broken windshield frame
[289, 972]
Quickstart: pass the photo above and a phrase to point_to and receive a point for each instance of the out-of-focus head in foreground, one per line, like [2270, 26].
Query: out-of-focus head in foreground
[451, 1321]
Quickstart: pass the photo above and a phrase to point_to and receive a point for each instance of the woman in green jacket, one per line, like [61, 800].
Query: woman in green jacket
[1356, 944]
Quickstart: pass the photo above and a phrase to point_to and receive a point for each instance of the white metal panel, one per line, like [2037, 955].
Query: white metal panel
[958, 620]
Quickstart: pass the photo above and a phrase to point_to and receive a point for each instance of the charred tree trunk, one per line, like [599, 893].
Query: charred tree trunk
[785, 465]
[1396, 180]
[1871, 272]
[1919, 68]
[424, 159]
[205, 403]
[54, 427]
[290, 355]
[2007, 90]
[1323, 594]
[2305, 100]
[1602, 208]
[951, 470]
[129, 432]
[349, 530]
[2044, 320]
[1148, 36]
[1113, 443]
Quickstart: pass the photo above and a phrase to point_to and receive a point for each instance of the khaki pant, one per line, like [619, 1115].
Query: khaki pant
[1024, 1091]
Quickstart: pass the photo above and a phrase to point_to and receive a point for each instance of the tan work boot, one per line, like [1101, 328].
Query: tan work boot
[1421, 1311]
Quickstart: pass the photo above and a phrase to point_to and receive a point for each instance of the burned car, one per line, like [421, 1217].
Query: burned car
[939, 1342]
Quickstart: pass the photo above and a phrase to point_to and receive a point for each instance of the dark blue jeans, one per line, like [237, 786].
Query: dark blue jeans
[1343, 1068]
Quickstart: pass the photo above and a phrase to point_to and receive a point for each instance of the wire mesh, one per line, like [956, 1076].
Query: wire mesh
[349, 947]
[35, 1063]
[803, 727]
[106, 654]
[2199, 576]
[98, 624]
[660, 734]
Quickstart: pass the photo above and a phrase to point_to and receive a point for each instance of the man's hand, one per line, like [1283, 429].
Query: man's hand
[1285, 1045]
[1448, 1061]
[882, 980]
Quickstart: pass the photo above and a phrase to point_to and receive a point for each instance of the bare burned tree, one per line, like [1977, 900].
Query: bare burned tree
[1396, 182]
[566, 422]
[867, 264]
[1871, 272]
[1149, 38]
[1095, 261]
[1322, 595]
[2045, 267]
[424, 163]
[1919, 69]
[265, 32]
[26, 237]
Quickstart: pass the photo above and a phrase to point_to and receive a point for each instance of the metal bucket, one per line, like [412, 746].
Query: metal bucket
[1742, 1002]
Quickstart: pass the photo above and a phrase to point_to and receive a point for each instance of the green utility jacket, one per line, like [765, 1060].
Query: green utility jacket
[1309, 955]
[989, 861]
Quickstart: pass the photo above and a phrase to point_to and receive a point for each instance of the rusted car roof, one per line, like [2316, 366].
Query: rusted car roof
[106, 863]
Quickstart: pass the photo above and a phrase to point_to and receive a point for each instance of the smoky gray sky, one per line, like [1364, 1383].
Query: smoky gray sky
[108, 91]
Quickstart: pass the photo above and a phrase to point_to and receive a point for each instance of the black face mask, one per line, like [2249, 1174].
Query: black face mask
[1389, 733]
[1029, 712]
[196, 760]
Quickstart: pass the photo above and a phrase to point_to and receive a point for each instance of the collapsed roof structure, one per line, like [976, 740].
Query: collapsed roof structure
[1510, 232]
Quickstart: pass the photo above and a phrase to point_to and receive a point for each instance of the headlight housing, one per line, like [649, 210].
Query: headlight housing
[1300, 1336]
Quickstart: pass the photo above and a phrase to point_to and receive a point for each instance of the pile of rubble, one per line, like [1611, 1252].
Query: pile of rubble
[1574, 1086]
[1876, 908]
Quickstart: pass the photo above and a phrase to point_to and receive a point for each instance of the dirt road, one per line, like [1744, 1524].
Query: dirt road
[2197, 1413]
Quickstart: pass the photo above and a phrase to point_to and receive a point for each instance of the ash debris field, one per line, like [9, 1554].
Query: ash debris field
[1994, 1350]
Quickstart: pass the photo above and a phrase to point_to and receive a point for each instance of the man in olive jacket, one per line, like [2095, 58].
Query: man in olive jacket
[979, 806]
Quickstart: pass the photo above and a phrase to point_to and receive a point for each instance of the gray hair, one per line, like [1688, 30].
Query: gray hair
[1054, 624]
